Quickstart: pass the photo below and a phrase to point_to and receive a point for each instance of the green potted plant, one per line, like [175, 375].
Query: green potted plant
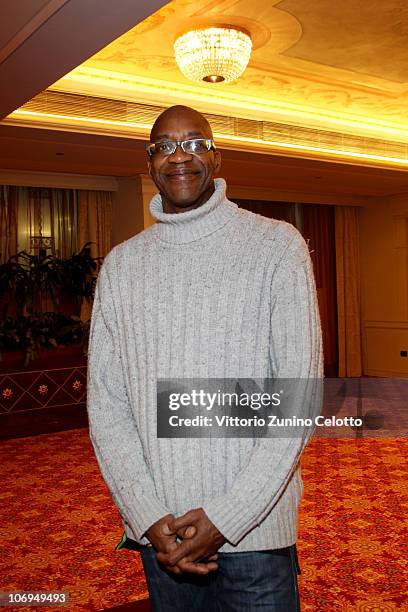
[40, 298]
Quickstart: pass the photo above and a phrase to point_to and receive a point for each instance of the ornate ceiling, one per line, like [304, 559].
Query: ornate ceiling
[334, 66]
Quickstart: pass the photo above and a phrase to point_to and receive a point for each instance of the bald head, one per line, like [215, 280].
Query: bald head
[178, 116]
[184, 179]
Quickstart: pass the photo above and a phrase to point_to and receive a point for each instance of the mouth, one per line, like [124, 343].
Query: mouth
[182, 174]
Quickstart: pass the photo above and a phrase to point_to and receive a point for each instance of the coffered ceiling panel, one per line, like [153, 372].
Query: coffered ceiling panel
[324, 64]
[367, 38]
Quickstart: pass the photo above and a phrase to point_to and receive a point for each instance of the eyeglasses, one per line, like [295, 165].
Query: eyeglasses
[196, 146]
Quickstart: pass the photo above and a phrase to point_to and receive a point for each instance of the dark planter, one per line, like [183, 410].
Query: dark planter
[46, 396]
[49, 359]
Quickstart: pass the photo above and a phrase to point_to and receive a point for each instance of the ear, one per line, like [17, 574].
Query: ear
[217, 161]
[149, 167]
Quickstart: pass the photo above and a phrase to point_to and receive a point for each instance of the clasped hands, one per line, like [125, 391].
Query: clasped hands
[200, 541]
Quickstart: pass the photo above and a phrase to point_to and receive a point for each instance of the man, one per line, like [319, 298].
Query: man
[209, 291]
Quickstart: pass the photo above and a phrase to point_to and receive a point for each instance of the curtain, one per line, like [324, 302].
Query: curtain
[285, 211]
[8, 222]
[53, 212]
[95, 225]
[318, 230]
[64, 221]
[95, 221]
[348, 290]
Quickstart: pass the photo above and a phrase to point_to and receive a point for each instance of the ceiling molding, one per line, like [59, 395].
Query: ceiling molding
[119, 117]
[86, 80]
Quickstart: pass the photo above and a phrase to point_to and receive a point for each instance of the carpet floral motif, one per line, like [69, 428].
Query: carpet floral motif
[59, 526]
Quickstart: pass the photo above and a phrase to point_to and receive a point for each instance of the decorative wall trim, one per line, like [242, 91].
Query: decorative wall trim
[386, 324]
[274, 195]
[58, 180]
[25, 391]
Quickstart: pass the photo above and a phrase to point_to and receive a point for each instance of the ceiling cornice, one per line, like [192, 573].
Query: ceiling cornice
[89, 114]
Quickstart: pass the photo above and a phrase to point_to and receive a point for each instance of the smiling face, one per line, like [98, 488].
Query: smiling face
[185, 180]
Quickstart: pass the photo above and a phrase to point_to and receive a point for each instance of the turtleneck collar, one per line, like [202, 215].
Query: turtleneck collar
[184, 227]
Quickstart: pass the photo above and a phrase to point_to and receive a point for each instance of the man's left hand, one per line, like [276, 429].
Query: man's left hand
[204, 544]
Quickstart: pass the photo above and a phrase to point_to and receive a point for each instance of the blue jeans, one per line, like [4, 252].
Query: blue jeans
[244, 582]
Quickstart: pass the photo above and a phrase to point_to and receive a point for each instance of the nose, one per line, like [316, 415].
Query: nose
[179, 155]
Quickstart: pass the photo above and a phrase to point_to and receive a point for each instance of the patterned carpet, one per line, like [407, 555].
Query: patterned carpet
[58, 525]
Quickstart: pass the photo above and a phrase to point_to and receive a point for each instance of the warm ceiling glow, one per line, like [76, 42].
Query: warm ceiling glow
[216, 54]
[245, 143]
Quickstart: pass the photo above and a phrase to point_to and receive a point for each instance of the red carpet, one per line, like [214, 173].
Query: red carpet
[58, 525]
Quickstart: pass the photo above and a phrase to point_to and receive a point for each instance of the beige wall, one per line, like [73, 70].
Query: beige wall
[131, 207]
[384, 283]
[149, 189]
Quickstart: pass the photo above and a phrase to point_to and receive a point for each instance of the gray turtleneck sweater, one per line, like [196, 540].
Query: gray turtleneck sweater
[214, 292]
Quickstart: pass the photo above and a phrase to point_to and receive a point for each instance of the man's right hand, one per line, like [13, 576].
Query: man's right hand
[163, 539]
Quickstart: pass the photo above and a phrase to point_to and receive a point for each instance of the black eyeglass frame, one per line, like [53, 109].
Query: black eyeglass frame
[181, 143]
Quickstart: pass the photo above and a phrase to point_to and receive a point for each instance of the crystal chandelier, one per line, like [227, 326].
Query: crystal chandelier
[213, 54]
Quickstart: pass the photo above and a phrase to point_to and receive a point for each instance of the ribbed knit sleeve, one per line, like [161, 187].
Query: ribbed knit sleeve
[113, 432]
[295, 352]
